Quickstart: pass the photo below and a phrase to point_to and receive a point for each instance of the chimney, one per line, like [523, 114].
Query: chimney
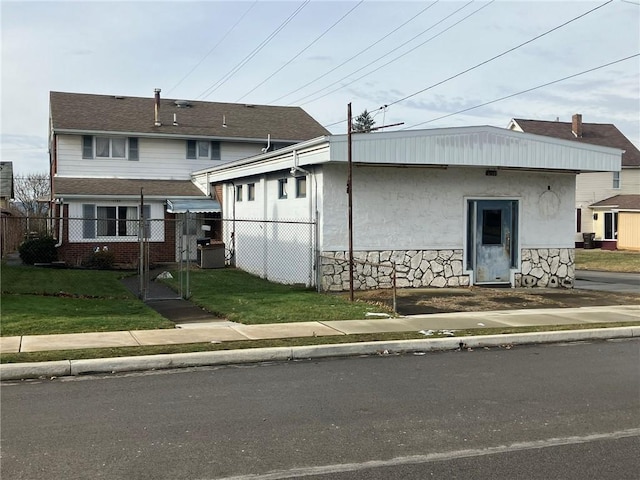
[157, 107]
[576, 125]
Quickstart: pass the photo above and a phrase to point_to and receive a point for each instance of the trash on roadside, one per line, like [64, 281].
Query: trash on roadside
[426, 333]
[449, 333]
[481, 324]
[376, 314]
[164, 275]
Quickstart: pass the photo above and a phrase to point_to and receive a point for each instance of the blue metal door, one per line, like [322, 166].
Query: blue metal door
[493, 241]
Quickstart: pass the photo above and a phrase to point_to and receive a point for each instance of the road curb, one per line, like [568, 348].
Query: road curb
[21, 371]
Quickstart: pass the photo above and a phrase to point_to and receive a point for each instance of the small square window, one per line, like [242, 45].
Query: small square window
[251, 192]
[118, 147]
[203, 149]
[301, 187]
[238, 193]
[282, 188]
[102, 147]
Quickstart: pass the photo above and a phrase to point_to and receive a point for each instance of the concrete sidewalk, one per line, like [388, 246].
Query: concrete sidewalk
[216, 332]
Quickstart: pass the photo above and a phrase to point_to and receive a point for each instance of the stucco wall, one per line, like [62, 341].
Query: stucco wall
[425, 208]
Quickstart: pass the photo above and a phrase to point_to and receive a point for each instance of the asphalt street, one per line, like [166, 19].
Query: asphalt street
[568, 411]
[608, 281]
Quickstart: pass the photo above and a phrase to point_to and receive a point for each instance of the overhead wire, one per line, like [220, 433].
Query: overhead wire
[486, 61]
[495, 57]
[302, 51]
[357, 54]
[212, 88]
[392, 60]
[214, 47]
[525, 91]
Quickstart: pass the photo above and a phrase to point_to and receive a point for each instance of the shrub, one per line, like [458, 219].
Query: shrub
[38, 250]
[101, 259]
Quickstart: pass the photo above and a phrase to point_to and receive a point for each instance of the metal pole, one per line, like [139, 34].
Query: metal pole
[141, 261]
[350, 195]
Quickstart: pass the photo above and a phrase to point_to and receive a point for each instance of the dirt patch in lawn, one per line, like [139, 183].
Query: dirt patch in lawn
[424, 301]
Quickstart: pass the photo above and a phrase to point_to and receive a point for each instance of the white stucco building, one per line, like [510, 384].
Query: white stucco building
[443, 207]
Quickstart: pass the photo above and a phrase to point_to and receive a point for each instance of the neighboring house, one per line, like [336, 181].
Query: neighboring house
[110, 154]
[592, 215]
[445, 207]
[6, 184]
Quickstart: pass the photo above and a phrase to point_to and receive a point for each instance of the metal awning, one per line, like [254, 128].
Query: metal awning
[196, 205]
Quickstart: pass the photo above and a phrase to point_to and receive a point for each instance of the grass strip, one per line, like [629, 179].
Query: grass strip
[241, 297]
[55, 355]
[608, 260]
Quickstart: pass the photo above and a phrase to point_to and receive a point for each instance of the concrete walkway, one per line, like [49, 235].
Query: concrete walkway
[216, 332]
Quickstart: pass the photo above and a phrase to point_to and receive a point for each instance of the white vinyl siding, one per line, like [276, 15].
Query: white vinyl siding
[157, 158]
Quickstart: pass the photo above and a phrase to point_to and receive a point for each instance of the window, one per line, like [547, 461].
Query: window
[203, 149]
[301, 187]
[610, 225]
[112, 221]
[491, 227]
[251, 192]
[578, 220]
[109, 147]
[282, 188]
[238, 193]
[616, 180]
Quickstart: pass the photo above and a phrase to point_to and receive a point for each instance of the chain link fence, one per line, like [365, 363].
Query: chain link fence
[279, 251]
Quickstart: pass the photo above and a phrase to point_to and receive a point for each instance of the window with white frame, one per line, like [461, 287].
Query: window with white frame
[301, 187]
[238, 193]
[616, 180]
[109, 147]
[113, 221]
[197, 149]
[251, 192]
[282, 188]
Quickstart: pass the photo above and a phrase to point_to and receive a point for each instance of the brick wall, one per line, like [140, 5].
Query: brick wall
[125, 253]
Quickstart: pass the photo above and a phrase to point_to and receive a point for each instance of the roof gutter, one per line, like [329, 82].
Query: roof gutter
[178, 136]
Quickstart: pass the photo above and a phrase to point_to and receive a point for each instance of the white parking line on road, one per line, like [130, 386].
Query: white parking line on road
[436, 457]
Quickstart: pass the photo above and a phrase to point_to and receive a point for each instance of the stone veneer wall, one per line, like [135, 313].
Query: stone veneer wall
[547, 267]
[373, 270]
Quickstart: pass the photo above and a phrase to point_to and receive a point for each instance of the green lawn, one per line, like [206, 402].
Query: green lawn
[241, 297]
[608, 260]
[40, 301]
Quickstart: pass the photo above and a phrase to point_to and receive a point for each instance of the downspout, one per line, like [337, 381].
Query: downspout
[60, 217]
[313, 214]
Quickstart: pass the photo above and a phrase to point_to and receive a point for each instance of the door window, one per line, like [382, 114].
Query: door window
[492, 227]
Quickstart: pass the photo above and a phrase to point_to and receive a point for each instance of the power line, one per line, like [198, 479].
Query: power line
[488, 60]
[255, 51]
[394, 59]
[301, 51]
[525, 91]
[214, 47]
[357, 54]
[501, 54]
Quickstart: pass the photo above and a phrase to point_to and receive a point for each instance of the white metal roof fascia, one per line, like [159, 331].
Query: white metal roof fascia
[282, 162]
[76, 196]
[182, 136]
[479, 146]
[262, 158]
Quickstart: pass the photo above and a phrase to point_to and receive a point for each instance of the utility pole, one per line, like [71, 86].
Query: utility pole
[350, 195]
[350, 191]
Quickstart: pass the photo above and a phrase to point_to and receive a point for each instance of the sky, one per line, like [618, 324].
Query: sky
[432, 63]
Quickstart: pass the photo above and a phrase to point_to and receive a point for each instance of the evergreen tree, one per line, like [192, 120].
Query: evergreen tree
[363, 123]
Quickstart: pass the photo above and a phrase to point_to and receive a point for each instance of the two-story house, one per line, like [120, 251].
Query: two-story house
[116, 159]
[607, 203]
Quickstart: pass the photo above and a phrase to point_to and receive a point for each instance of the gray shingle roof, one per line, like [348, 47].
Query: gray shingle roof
[129, 187]
[622, 202]
[603, 134]
[135, 115]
